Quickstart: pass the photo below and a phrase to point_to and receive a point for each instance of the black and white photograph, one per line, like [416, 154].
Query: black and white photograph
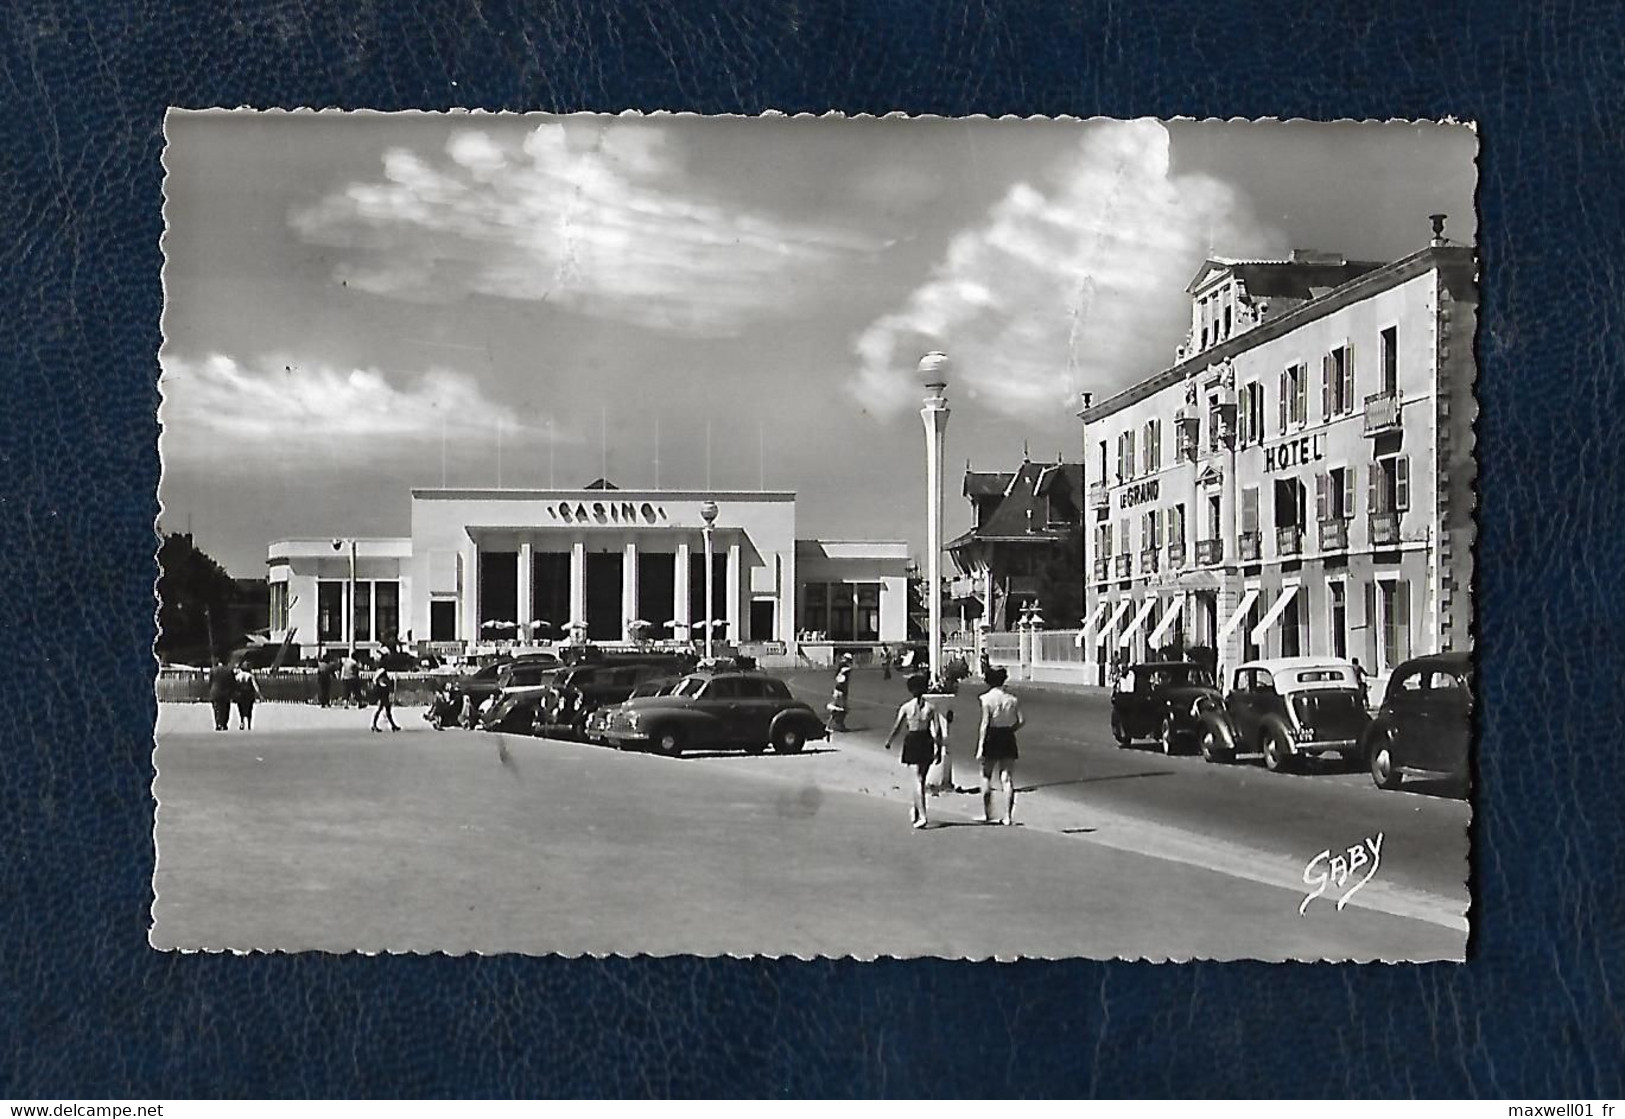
[816, 536]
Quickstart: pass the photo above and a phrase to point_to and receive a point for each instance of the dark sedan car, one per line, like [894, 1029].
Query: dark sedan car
[579, 690]
[482, 684]
[1425, 724]
[729, 709]
[1288, 709]
[1162, 700]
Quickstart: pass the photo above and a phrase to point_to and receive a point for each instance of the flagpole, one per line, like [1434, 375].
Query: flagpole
[657, 452]
[499, 452]
[708, 455]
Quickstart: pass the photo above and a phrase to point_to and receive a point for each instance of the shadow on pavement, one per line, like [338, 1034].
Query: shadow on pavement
[1096, 780]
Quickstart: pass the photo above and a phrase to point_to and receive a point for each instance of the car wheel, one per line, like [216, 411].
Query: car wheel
[1120, 732]
[789, 740]
[1384, 773]
[1211, 750]
[1165, 737]
[1277, 752]
[669, 741]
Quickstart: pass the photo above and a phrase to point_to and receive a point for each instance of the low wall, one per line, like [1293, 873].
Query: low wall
[289, 685]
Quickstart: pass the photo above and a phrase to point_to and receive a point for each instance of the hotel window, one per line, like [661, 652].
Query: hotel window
[1337, 611]
[1226, 333]
[1103, 542]
[1337, 382]
[1390, 485]
[1150, 531]
[1390, 361]
[1396, 622]
[1124, 547]
[1289, 503]
[1293, 407]
[1334, 494]
[329, 610]
[1103, 464]
[1203, 314]
[1153, 445]
[1249, 509]
[1176, 525]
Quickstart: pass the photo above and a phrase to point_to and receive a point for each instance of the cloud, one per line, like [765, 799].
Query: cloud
[598, 218]
[218, 409]
[1076, 282]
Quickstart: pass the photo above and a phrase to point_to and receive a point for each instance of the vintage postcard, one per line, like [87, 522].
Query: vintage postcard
[816, 537]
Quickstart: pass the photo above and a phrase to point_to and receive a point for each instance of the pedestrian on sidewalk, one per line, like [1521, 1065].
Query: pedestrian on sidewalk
[843, 688]
[246, 690]
[1001, 718]
[922, 741]
[383, 689]
[885, 662]
[222, 682]
[350, 678]
[324, 679]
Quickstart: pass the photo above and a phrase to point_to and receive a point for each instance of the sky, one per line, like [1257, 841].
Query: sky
[358, 304]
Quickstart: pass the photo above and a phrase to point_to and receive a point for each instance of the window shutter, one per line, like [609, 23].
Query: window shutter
[1402, 483]
[1321, 488]
[1373, 495]
[1128, 455]
[1326, 387]
[1301, 401]
[1286, 399]
[1348, 378]
[1348, 492]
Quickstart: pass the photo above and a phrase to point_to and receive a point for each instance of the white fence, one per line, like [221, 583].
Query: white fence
[1047, 656]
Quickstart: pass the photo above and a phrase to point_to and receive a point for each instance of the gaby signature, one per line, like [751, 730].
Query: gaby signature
[1326, 871]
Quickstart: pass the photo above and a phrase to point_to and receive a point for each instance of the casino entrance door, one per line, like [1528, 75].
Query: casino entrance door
[604, 621]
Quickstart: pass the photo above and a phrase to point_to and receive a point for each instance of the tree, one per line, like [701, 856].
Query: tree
[194, 596]
[1060, 583]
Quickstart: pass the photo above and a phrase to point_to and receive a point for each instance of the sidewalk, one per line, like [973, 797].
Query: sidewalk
[312, 833]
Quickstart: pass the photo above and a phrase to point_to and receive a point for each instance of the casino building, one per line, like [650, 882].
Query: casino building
[1300, 481]
[493, 567]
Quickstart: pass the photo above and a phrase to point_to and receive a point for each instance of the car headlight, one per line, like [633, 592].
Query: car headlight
[631, 719]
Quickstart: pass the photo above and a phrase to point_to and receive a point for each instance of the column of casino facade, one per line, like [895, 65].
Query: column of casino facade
[1301, 481]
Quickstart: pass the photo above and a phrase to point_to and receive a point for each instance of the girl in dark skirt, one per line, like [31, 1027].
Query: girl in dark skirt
[246, 691]
[922, 741]
[1001, 718]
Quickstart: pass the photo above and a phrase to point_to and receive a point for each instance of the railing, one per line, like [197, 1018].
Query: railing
[1288, 540]
[1334, 535]
[1002, 648]
[1247, 545]
[1384, 529]
[1103, 569]
[1099, 496]
[1148, 560]
[1176, 553]
[1209, 552]
[1381, 413]
[1125, 566]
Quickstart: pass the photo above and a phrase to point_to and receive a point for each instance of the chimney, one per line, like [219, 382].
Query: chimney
[1438, 221]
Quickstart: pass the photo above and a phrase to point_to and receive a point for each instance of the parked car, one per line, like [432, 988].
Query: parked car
[579, 690]
[513, 710]
[598, 721]
[1425, 723]
[482, 684]
[1162, 700]
[1287, 709]
[749, 710]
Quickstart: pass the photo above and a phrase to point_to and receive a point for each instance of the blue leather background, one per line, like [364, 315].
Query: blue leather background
[87, 1010]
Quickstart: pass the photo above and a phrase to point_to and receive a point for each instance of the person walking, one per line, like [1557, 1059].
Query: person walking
[838, 699]
[885, 662]
[222, 683]
[383, 689]
[350, 678]
[922, 741]
[1360, 675]
[245, 690]
[324, 679]
[1001, 718]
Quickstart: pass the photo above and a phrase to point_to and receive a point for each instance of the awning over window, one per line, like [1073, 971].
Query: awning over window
[1094, 620]
[1273, 614]
[1242, 607]
[1168, 618]
[1139, 620]
[1111, 623]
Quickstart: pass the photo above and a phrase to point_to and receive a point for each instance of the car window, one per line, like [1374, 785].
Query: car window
[1125, 683]
[774, 689]
[1445, 681]
[726, 688]
[1262, 682]
[1413, 681]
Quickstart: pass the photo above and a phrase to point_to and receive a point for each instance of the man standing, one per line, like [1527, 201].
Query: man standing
[838, 700]
[324, 679]
[1001, 718]
[350, 677]
[222, 684]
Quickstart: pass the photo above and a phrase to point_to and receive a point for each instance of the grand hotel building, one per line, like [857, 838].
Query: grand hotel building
[1301, 480]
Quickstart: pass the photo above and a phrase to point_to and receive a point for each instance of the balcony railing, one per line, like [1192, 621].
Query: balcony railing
[1334, 535]
[1099, 496]
[1176, 553]
[1288, 540]
[1125, 566]
[1148, 560]
[1384, 529]
[1209, 552]
[1381, 413]
[1103, 569]
[1247, 545]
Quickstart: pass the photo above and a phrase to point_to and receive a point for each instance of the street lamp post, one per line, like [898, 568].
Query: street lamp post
[349, 620]
[933, 373]
[708, 513]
